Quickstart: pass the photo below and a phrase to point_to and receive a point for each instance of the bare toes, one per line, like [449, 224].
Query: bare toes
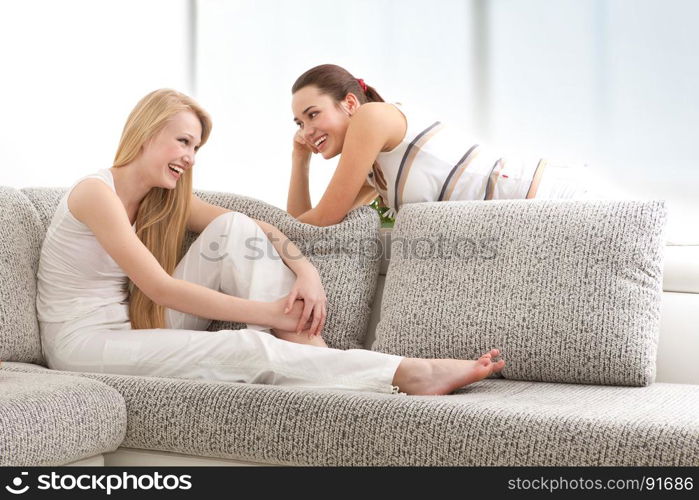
[496, 367]
[493, 353]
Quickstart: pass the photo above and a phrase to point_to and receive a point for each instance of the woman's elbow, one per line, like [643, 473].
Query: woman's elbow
[320, 219]
[331, 219]
[328, 222]
[294, 212]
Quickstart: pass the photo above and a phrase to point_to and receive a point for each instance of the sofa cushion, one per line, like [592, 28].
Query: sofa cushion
[21, 235]
[569, 291]
[490, 423]
[45, 201]
[51, 419]
[344, 255]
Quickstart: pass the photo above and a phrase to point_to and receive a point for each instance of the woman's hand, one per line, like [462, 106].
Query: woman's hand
[309, 288]
[287, 320]
[302, 146]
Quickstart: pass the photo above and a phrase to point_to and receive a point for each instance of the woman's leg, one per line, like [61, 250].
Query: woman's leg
[563, 182]
[578, 182]
[249, 356]
[234, 256]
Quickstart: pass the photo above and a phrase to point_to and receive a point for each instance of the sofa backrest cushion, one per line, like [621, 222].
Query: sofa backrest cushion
[342, 253]
[568, 290]
[21, 234]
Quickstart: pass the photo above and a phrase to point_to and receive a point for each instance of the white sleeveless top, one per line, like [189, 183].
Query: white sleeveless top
[436, 162]
[76, 275]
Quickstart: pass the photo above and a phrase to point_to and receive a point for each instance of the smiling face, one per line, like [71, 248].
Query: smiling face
[171, 152]
[322, 121]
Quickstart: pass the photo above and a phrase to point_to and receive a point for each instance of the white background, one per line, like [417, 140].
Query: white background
[609, 83]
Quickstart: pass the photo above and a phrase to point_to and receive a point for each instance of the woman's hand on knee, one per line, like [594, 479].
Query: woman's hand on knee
[309, 288]
[287, 319]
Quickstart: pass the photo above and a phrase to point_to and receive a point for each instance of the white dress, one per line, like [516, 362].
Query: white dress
[437, 162]
[83, 314]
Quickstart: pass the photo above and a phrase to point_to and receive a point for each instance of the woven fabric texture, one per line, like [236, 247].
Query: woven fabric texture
[20, 242]
[345, 256]
[52, 419]
[570, 291]
[490, 423]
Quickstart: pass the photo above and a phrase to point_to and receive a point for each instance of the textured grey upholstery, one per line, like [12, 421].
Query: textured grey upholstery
[569, 291]
[342, 254]
[20, 241]
[51, 419]
[493, 422]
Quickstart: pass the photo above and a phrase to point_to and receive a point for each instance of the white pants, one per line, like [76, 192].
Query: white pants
[578, 182]
[234, 256]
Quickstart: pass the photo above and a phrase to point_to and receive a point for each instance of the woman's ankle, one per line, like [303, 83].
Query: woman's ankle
[409, 372]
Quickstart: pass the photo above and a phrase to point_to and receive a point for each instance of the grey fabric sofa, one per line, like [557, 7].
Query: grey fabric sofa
[52, 418]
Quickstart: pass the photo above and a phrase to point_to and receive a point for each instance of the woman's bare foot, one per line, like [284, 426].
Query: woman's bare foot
[442, 376]
[300, 338]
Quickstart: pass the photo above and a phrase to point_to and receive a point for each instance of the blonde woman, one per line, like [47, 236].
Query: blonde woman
[126, 224]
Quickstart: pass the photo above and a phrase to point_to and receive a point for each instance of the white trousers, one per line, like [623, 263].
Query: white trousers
[578, 182]
[234, 256]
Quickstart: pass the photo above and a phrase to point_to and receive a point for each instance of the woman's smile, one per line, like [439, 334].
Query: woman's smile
[175, 170]
[321, 142]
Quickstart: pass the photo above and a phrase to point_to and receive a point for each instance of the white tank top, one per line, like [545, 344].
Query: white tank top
[437, 162]
[76, 275]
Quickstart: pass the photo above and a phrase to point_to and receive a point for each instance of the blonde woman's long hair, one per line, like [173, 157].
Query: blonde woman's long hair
[162, 215]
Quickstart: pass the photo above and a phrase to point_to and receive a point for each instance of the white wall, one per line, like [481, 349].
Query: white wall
[611, 83]
[71, 73]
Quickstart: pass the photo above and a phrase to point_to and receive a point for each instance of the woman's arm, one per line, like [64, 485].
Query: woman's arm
[201, 214]
[299, 198]
[373, 128]
[97, 206]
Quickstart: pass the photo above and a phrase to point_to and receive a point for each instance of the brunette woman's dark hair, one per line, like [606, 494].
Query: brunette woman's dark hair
[337, 82]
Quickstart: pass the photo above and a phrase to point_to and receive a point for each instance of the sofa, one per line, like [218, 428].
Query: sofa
[597, 398]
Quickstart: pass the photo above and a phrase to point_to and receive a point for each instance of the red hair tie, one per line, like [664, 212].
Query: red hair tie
[362, 84]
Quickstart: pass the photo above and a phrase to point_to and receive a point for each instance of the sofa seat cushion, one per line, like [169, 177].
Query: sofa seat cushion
[493, 422]
[52, 419]
[23, 367]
